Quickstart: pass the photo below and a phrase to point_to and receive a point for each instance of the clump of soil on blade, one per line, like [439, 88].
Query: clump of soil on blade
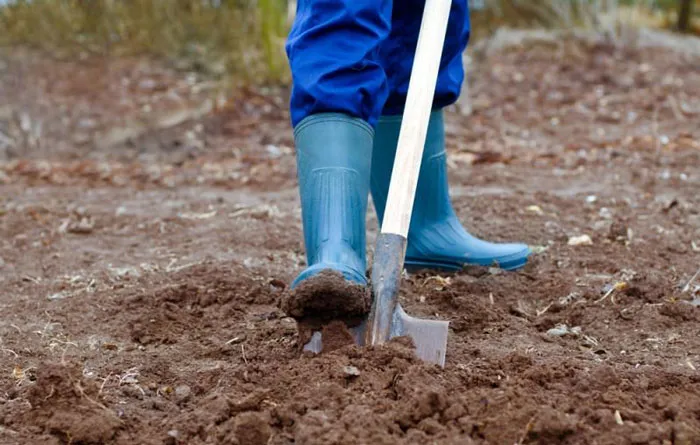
[335, 335]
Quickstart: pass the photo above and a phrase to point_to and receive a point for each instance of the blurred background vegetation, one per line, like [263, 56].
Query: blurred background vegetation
[244, 39]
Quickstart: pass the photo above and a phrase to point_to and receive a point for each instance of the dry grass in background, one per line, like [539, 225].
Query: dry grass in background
[241, 37]
[602, 15]
[244, 39]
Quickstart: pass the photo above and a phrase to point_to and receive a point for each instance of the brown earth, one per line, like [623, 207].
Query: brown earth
[140, 280]
[326, 295]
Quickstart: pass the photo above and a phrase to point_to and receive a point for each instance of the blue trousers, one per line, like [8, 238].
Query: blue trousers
[355, 56]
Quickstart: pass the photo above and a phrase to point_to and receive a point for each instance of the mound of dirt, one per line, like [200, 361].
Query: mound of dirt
[389, 397]
[351, 395]
[199, 295]
[67, 406]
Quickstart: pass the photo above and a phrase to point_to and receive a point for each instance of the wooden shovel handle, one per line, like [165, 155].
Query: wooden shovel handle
[414, 126]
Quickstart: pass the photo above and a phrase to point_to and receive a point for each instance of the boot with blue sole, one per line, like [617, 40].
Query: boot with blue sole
[436, 238]
[334, 155]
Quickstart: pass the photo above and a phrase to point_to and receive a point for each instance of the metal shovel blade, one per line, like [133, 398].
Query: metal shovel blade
[429, 336]
[387, 318]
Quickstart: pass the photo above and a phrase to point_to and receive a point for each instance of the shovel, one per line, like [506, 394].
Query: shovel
[387, 319]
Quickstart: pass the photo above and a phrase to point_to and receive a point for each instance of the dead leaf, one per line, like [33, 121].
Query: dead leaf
[198, 215]
[18, 373]
[534, 209]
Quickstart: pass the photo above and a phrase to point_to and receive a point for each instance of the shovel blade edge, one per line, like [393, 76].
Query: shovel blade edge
[429, 336]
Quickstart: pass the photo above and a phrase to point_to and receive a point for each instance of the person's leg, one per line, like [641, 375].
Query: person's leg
[397, 52]
[436, 238]
[333, 51]
[339, 89]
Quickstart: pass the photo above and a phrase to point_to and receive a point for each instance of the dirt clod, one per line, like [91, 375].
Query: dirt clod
[66, 406]
[335, 335]
[251, 429]
[327, 296]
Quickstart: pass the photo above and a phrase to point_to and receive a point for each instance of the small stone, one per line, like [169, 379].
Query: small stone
[289, 324]
[172, 438]
[561, 330]
[273, 151]
[602, 226]
[182, 393]
[582, 240]
[351, 371]
[558, 331]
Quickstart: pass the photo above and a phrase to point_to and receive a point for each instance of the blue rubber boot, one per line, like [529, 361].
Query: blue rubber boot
[334, 155]
[436, 238]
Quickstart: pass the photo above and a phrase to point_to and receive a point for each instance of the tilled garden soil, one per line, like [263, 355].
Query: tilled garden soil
[140, 284]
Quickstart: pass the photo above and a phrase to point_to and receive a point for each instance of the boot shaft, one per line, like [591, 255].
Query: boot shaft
[334, 154]
[432, 201]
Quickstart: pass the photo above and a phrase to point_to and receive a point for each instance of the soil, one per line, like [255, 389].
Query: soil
[329, 304]
[327, 295]
[141, 280]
